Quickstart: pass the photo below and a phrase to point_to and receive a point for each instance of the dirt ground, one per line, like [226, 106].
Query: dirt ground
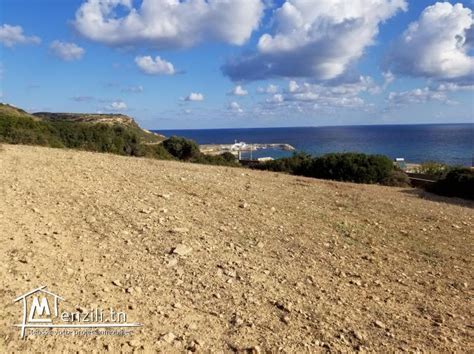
[229, 259]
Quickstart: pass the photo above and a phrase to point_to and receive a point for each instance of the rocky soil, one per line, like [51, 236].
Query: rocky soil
[228, 259]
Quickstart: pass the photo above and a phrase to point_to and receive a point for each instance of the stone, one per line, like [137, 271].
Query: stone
[169, 337]
[380, 324]
[182, 250]
[244, 206]
[179, 230]
[134, 343]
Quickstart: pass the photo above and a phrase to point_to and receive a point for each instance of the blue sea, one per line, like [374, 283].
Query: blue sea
[448, 143]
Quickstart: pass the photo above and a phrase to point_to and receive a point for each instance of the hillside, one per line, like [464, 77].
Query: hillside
[111, 119]
[114, 120]
[7, 110]
[231, 259]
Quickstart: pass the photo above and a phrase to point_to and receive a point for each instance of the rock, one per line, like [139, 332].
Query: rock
[134, 343]
[172, 263]
[116, 282]
[165, 196]
[230, 273]
[260, 244]
[358, 335]
[288, 306]
[286, 319]
[169, 337]
[179, 230]
[244, 206]
[380, 324]
[182, 250]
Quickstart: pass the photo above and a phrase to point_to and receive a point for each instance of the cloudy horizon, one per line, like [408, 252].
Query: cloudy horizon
[244, 63]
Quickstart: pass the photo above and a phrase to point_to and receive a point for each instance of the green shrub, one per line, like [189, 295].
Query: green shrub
[458, 182]
[25, 130]
[115, 139]
[397, 178]
[350, 167]
[181, 148]
[293, 164]
[433, 168]
[156, 151]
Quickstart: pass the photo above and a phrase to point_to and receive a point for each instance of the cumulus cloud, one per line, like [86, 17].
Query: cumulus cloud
[331, 94]
[168, 23]
[235, 107]
[437, 45]
[270, 89]
[276, 98]
[318, 39]
[239, 91]
[66, 51]
[156, 66]
[194, 97]
[13, 35]
[116, 106]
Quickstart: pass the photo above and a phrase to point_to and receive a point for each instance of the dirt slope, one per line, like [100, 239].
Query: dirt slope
[277, 262]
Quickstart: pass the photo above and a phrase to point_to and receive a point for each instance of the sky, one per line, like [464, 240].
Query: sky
[194, 64]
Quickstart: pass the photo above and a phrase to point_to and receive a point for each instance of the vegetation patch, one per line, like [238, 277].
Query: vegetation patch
[349, 167]
[458, 182]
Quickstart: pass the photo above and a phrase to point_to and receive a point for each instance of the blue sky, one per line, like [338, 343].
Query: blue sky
[241, 63]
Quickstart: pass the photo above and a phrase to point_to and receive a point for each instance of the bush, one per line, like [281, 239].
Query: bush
[397, 178]
[156, 151]
[350, 167]
[458, 182]
[293, 164]
[433, 168]
[101, 137]
[181, 148]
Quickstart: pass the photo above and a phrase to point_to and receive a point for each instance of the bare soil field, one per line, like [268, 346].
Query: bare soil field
[231, 260]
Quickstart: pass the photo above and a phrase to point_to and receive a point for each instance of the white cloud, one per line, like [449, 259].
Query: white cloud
[417, 96]
[270, 89]
[330, 95]
[116, 106]
[276, 98]
[133, 89]
[235, 107]
[194, 97]
[156, 66]
[239, 91]
[168, 23]
[317, 39]
[66, 51]
[12, 35]
[437, 45]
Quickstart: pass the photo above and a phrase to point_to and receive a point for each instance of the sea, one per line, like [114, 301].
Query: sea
[447, 143]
